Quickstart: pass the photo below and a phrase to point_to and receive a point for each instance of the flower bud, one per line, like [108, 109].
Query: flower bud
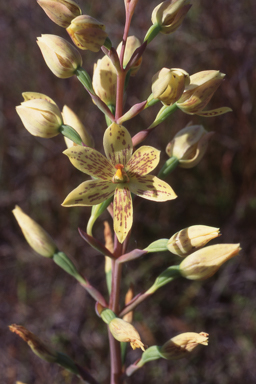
[189, 145]
[190, 239]
[60, 56]
[35, 235]
[87, 33]
[132, 44]
[40, 116]
[169, 14]
[169, 84]
[125, 332]
[37, 345]
[206, 261]
[61, 12]
[199, 92]
[70, 118]
[181, 345]
[104, 80]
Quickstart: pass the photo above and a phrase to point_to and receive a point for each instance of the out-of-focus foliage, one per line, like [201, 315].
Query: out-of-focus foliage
[219, 191]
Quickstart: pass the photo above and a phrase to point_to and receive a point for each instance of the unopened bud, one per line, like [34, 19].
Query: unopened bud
[87, 33]
[169, 14]
[125, 332]
[38, 346]
[169, 84]
[35, 235]
[60, 56]
[41, 117]
[203, 263]
[189, 145]
[199, 92]
[180, 346]
[70, 118]
[132, 44]
[61, 12]
[104, 80]
[190, 239]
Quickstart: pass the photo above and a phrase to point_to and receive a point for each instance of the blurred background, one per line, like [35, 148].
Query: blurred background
[219, 192]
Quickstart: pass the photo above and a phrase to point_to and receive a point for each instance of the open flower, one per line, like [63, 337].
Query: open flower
[120, 174]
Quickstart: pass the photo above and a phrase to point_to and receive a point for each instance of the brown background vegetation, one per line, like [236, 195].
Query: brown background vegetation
[220, 192]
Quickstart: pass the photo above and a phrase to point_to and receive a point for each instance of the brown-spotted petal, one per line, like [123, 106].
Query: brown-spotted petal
[151, 188]
[123, 213]
[143, 161]
[117, 144]
[91, 162]
[89, 193]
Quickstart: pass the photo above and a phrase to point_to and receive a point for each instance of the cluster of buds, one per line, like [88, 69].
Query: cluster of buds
[123, 172]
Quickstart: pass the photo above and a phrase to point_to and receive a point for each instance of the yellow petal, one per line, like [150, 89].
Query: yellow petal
[143, 161]
[215, 112]
[89, 193]
[117, 144]
[123, 213]
[151, 188]
[91, 162]
[35, 95]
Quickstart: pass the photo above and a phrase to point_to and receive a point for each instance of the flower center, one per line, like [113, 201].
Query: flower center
[120, 175]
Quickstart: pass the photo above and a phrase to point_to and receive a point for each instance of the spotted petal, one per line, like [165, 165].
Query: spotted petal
[90, 192]
[151, 188]
[91, 162]
[123, 213]
[117, 144]
[143, 161]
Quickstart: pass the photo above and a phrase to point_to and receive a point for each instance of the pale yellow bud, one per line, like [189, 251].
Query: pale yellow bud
[181, 345]
[61, 12]
[70, 118]
[132, 44]
[125, 332]
[87, 33]
[60, 56]
[190, 239]
[189, 145]
[200, 91]
[206, 261]
[104, 80]
[35, 235]
[168, 84]
[41, 117]
[170, 14]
